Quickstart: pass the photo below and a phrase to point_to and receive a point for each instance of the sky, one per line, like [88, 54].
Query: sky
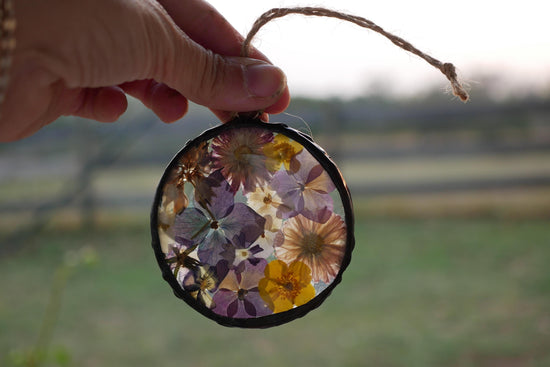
[506, 40]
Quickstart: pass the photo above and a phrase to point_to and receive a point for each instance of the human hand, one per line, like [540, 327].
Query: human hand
[82, 57]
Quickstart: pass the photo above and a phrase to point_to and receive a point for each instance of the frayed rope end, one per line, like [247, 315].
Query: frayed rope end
[449, 71]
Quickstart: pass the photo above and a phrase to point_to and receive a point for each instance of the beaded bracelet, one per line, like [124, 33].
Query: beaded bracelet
[7, 43]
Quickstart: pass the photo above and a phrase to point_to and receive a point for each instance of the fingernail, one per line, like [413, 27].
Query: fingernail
[264, 80]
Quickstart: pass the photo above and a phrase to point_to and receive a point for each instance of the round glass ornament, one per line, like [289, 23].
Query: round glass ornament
[252, 224]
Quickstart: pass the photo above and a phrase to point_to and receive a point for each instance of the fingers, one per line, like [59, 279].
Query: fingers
[275, 108]
[104, 104]
[207, 27]
[225, 116]
[281, 104]
[168, 104]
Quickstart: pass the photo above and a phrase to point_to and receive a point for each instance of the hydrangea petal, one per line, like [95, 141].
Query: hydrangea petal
[211, 251]
[222, 198]
[243, 219]
[192, 225]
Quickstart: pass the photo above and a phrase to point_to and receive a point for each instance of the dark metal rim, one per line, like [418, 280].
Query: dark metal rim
[334, 173]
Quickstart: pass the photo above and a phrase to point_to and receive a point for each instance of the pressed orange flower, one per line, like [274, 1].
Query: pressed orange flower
[282, 151]
[191, 168]
[319, 245]
[286, 285]
[166, 218]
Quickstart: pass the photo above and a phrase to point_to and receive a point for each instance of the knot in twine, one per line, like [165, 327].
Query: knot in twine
[447, 69]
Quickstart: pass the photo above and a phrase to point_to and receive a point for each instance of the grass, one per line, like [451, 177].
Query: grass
[417, 293]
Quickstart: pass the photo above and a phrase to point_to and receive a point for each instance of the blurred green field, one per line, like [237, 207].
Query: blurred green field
[417, 293]
[142, 179]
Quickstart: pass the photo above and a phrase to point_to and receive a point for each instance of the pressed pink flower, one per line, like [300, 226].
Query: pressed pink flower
[319, 245]
[239, 154]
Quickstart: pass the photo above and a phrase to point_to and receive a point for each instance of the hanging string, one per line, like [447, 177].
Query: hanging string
[447, 69]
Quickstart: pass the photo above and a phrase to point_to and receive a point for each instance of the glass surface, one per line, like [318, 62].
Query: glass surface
[250, 223]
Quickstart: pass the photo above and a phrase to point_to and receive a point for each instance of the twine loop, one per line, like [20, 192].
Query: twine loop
[447, 69]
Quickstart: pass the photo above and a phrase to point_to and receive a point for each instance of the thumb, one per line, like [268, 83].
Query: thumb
[221, 82]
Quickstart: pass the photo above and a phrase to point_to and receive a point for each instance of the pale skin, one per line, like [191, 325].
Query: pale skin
[82, 57]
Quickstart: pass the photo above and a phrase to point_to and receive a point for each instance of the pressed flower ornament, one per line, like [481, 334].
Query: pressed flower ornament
[252, 222]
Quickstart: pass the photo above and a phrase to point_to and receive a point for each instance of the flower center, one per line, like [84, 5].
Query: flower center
[242, 152]
[289, 287]
[206, 283]
[214, 224]
[267, 199]
[286, 151]
[312, 244]
[241, 294]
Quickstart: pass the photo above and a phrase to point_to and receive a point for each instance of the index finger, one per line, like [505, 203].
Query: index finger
[206, 26]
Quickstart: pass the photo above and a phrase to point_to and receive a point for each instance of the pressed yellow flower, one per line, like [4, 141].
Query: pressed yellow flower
[286, 285]
[319, 245]
[282, 151]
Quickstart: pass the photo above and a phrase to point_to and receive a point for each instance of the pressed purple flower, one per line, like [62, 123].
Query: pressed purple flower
[239, 154]
[306, 191]
[213, 224]
[241, 250]
[238, 295]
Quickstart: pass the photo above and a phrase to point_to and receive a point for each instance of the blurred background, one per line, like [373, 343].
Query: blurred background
[452, 205]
